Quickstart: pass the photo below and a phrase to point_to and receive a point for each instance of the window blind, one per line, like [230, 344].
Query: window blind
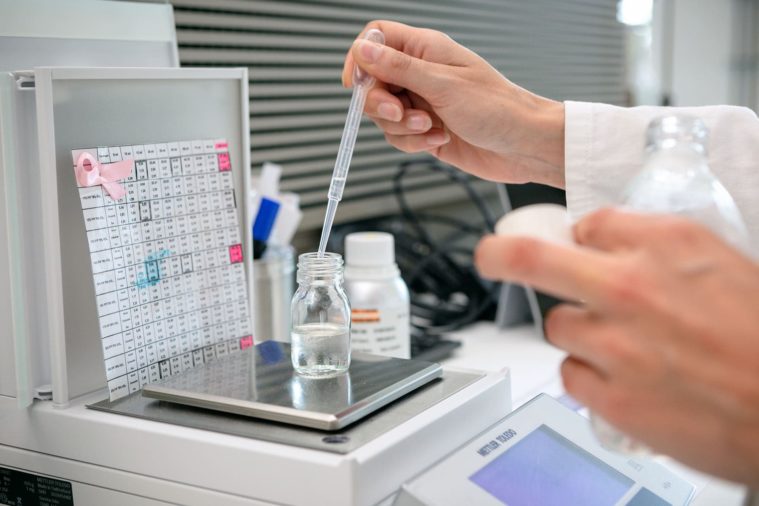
[294, 49]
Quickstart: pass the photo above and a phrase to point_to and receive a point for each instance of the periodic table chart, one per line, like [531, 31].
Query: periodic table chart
[167, 259]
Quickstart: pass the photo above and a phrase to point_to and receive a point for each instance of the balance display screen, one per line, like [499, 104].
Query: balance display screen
[547, 469]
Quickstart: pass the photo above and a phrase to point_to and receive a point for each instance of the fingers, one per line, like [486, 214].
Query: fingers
[591, 389]
[346, 75]
[394, 67]
[583, 382]
[413, 122]
[596, 340]
[381, 104]
[431, 45]
[619, 405]
[575, 330]
[675, 241]
[568, 272]
[394, 115]
[432, 139]
[611, 229]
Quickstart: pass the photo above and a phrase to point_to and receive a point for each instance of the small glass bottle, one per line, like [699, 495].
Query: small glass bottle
[676, 179]
[320, 334]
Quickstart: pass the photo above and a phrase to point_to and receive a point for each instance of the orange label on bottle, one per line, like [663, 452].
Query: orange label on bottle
[365, 316]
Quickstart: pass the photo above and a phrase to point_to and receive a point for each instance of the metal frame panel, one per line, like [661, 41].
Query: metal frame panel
[36, 33]
[170, 104]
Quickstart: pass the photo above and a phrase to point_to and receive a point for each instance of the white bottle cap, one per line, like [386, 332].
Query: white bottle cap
[369, 249]
[268, 182]
[549, 222]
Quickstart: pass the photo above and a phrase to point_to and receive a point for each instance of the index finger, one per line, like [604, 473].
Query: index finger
[423, 43]
[569, 272]
[613, 229]
[349, 63]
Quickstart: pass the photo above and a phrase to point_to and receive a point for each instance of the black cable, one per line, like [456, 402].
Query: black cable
[452, 173]
[460, 225]
[438, 272]
[446, 291]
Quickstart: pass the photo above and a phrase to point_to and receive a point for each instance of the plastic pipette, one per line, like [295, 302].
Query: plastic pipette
[361, 84]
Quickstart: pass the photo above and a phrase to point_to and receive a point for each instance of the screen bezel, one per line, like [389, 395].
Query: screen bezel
[568, 454]
[447, 483]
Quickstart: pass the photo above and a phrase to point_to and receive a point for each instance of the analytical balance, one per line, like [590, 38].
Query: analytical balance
[147, 451]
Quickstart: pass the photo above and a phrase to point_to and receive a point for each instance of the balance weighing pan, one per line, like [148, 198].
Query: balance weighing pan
[260, 382]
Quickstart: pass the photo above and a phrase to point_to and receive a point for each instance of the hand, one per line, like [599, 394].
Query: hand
[436, 96]
[666, 344]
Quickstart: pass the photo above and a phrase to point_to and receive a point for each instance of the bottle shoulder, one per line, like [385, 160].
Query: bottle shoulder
[377, 273]
[382, 293]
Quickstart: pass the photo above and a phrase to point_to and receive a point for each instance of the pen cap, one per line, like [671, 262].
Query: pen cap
[267, 213]
[287, 221]
[369, 249]
[268, 183]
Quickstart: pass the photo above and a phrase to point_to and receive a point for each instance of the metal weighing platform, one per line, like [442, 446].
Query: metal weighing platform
[243, 393]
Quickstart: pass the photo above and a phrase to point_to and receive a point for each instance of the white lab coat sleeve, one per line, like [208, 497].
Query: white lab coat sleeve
[604, 148]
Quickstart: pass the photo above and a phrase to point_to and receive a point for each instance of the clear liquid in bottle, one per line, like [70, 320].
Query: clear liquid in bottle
[320, 349]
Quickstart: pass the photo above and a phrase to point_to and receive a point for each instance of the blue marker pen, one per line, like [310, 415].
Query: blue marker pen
[264, 222]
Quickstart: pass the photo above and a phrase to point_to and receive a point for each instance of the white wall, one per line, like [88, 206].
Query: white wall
[702, 52]
[7, 351]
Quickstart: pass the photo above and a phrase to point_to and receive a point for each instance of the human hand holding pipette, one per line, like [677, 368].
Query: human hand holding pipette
[435, 95]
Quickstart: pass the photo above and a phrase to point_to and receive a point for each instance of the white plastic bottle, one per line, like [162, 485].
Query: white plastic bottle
[676, 179]
[378, 296]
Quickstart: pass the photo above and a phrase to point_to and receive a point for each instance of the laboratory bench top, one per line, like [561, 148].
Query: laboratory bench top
[534, 365]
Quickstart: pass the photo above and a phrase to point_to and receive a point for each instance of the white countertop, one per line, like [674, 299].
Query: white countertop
[534, 364]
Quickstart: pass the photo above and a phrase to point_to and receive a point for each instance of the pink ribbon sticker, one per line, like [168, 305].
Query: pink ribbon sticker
[90, 172]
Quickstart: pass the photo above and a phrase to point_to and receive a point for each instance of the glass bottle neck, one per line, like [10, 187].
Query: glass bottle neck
[678, 157]
[675, 131]
[325, 269]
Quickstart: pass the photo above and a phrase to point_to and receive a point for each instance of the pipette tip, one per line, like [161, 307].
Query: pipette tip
[329, 217]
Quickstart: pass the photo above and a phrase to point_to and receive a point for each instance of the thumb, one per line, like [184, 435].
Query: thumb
[391, 66]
